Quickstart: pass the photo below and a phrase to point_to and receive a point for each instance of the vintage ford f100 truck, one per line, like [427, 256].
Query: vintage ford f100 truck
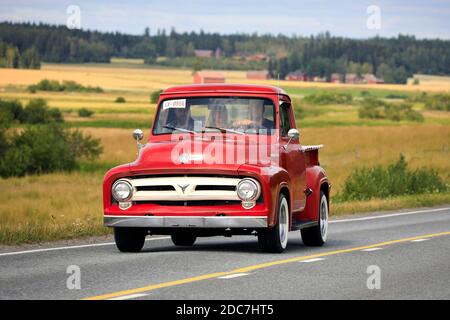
[221, 159]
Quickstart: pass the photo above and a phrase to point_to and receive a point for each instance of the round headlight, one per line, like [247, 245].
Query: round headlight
[248, 190]
[122, 190]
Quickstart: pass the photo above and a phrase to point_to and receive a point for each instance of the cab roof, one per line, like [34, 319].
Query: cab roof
[226, 88]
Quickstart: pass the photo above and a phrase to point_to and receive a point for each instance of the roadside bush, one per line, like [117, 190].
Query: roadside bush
[403, 111]
[56, 86]
[56, 115]
[417, 97]
[365, 93]
[85, 113]
[46, 148]
[5, 122]
[438, 102]
[373, 108]
[396, 96]
[154, 96]
[329, 98]
[395, 180]
[120, 100]
[83, 146]
[14, 107]
[38, 112]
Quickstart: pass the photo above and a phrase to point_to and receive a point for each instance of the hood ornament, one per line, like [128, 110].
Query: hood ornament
[183, 187]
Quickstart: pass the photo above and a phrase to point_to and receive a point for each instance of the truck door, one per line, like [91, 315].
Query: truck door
[292, 158]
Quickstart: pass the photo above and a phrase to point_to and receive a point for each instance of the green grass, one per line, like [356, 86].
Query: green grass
[356, 92]
[124, 124]
[392, 203]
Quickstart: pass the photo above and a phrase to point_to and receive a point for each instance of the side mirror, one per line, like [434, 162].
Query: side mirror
[293, 134]
[138, 135]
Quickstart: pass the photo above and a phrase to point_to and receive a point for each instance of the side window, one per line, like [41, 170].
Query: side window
[285, 119]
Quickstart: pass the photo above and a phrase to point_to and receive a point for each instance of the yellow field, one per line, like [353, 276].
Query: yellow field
[110, 77]
[126, 61]
[65, 205]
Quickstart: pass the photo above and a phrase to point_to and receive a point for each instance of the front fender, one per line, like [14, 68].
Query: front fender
[111, 176]
[272, 179]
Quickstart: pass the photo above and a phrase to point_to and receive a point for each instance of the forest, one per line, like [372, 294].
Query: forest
[25, 45]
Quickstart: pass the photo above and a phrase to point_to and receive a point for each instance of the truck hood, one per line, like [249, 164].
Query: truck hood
[202, 156]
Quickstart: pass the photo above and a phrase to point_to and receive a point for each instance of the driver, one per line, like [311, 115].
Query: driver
[257, 120]
[181, 118]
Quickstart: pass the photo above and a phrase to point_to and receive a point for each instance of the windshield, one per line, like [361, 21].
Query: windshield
[224, 114]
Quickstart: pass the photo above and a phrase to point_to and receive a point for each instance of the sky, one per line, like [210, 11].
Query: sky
[354, 19]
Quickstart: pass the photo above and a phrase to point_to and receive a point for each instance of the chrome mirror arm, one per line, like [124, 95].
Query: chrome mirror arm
[138, 135]
[292, 134]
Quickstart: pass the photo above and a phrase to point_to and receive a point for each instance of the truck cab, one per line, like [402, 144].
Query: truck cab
[220, 160]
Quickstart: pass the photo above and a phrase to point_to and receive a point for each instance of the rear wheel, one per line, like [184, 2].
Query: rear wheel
[183, 239]
[316, 236]
[129, 239]
[275, 239]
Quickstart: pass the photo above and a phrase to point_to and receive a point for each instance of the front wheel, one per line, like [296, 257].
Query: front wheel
[275, 239]
[183, 239]
[316, 236]
[129, 239]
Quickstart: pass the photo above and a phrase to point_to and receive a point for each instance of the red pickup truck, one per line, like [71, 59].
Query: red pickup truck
[220, 160]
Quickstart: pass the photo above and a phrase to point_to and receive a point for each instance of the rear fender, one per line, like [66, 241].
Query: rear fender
[315, 179]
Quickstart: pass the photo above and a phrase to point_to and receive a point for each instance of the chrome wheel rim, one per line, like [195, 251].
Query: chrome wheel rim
[284, 223]
[324, 218]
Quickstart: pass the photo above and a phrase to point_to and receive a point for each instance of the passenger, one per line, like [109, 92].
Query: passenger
[218, 117]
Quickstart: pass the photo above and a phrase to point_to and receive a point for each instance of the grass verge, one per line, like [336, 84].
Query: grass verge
[394, 203]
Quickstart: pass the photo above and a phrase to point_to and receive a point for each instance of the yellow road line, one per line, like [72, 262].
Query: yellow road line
[256, 267]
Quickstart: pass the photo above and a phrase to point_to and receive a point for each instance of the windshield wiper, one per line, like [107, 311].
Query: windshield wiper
[179, 129]
[224, 130]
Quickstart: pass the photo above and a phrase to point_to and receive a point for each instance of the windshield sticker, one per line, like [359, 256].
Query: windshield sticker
[174, 104]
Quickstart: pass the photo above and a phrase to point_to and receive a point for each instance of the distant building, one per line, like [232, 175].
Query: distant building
[336, 78]
[208, 77]
[297, 75]
[257, 57]
[370, 78]
[218, 53]
[203, 53]
[352, 78]
[258, 75]
[319, 79]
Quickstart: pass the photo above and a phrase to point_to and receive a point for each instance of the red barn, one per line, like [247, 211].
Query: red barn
[208, 77]
[297, 76]
[336, 78]
[203, 53]
[258, 75]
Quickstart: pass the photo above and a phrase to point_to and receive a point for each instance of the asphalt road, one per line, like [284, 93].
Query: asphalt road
[410, 250]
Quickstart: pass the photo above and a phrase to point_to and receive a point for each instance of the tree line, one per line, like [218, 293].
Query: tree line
[11, 57]
[394, 59]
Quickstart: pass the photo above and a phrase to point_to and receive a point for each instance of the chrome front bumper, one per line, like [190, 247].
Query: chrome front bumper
[186, 222]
